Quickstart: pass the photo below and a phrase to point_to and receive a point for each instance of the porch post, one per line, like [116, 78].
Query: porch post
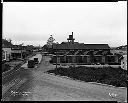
[21, 54]
[103, 59]
[88, 59]
[116, 59]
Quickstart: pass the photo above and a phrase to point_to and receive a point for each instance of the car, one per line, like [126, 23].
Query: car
[36, 60]
[31, 64]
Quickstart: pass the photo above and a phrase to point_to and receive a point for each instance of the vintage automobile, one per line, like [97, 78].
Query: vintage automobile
[36, 60]
[31, 64]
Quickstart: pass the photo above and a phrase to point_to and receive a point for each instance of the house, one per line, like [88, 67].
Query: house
[80, 53]
[124, 62]
[18, 52]
[4, 56]
[6, 50]
[29, 49]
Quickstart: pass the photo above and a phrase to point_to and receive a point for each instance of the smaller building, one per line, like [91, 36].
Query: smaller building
[6, 50]
[124, 62]
[18, 52]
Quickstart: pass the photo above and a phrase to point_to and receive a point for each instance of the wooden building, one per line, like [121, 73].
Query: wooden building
[6, 50]
[18, 52]
[80, 53]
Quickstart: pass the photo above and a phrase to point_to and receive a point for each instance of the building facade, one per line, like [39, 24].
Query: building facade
[18, 52]
[6, 54]
[6, 50]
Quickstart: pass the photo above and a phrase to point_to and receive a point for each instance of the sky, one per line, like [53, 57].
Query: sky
[32, 23]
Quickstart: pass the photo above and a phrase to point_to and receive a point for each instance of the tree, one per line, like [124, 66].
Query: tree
[9, 40]
[50, 41]
[21, 44]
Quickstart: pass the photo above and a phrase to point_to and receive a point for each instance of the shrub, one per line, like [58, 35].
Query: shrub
[107, 75]
[5, 67]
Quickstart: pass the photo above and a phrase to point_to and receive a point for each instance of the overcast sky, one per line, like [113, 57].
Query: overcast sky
[91, 22]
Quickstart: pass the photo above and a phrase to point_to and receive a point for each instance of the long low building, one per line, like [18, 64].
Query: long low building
[80, 53]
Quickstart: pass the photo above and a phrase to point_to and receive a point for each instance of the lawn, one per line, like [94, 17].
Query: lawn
[106, 75]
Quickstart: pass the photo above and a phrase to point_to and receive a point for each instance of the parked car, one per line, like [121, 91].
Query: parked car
[36, 60]
[31, 64]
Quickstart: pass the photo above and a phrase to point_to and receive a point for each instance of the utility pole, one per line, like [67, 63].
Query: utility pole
[56, 58]
[21, 54]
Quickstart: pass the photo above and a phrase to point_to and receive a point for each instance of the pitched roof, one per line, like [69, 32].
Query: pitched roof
[69, 46]
[80, 46]
[19, 47]
[97, 46]
[16, 47]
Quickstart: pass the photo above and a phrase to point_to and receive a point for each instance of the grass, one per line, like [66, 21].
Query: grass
[106, 75]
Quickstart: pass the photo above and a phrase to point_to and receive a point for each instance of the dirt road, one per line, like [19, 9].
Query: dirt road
[39, 86]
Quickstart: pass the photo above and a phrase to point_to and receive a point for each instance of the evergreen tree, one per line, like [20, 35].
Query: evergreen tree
[50, 41]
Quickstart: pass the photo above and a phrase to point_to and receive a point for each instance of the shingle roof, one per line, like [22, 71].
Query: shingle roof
[97, 46]
[69, 46]
[81, 46]
[17, 47]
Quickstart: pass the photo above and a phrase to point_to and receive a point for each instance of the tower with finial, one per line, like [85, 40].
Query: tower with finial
[71, 39]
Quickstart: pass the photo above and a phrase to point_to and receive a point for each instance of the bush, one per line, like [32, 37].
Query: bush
[5, 67]
[107, 75]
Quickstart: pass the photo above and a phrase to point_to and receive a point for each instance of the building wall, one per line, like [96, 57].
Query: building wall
[85, 59]
[69, 59]
[18, 53]
[4, 53]
[110, 59]
[88, 59]
[8, 50]
[97, 59]
[54, 59]
[103, 59]
[7, 53]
